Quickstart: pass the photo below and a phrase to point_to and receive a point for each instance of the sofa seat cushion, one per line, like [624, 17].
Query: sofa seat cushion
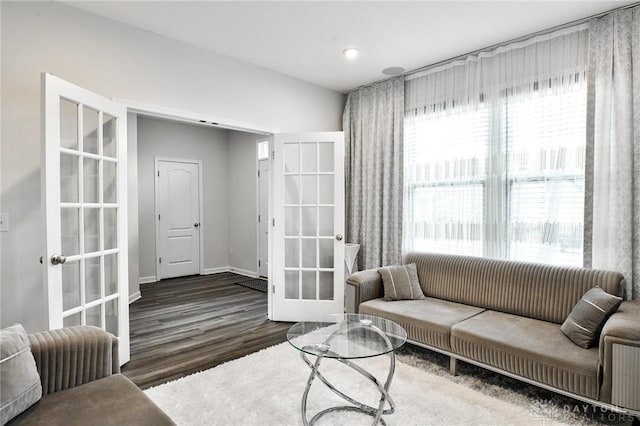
[114, 400]
[530, 348]
[426, 321]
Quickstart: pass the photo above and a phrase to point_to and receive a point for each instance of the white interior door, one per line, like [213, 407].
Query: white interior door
[263, 215]
[178, 203]
[308, 209]
[84, 186]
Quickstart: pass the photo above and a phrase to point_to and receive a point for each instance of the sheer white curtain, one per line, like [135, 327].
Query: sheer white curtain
[494, 152]
[613, 146]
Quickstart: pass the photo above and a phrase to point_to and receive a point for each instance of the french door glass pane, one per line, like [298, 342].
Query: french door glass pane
[69, 179]
[90, 180]
[291, 158]
[110, 274]
[309, 157]
[292, 189]
[68, 124]
[291, 221]
[110, 228]
[92, 279]
[291, 284]
[91, 230]
[309, 253]
[326, 161]
[111, 316]
[70, 231]
[72, 320]
[325, 253]
[70, 285]
[309, 285]
[109, 136]
[109, 179]
[94, 315]
[325, 285]
[326, 189]
[309, 220]
[325, 221]
[90, 130]
[291, 253]
[309, 189]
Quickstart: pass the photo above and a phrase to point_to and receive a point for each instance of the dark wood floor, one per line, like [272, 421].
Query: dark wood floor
[184, 325]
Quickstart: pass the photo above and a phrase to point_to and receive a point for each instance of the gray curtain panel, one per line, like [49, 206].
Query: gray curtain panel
[612, 186]
[373, 123]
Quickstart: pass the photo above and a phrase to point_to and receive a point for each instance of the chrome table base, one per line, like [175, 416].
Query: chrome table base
[375, 412]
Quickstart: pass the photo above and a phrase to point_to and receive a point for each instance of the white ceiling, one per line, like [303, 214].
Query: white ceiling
[305, 39]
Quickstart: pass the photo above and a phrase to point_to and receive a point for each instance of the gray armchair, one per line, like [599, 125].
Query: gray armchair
[81, 384]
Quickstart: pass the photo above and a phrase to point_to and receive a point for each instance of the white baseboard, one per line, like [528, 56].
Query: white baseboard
[238, 271]
[244, 272]
[147, 280]
[207, 271]
[217, 270]
[135, 296]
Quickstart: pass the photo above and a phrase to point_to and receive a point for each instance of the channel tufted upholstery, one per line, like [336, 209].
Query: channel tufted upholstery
[528, 348]
[506, 316]
[72, 356]
[544, 292]
[78, 369]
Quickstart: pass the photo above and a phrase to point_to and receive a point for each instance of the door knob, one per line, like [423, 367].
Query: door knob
[196, 225]
[58, 259]
[339, 237]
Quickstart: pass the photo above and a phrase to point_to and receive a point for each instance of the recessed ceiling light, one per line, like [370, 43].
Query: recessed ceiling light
[393, 70]
[350, 52]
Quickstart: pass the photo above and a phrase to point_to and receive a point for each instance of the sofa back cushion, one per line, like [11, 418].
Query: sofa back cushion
[544, 292]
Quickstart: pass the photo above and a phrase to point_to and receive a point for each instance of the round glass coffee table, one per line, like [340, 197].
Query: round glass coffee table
[346, 337]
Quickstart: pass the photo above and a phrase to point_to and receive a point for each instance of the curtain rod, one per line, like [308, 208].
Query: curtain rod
[498, 45]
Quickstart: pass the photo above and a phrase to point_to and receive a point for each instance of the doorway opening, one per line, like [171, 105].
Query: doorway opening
[197, 208]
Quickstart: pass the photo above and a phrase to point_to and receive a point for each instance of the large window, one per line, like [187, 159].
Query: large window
[503, 179]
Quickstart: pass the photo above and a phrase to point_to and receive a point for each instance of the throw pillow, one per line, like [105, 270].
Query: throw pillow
[401, 282]
[20, 385]
[584, 323]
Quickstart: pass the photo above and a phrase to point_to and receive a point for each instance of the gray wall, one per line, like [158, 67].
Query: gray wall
[242, 201]
[120, 61]
[158, 138]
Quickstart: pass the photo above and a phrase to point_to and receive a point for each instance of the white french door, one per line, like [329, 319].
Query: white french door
[178, 213]
[308, 228]
[84, 185]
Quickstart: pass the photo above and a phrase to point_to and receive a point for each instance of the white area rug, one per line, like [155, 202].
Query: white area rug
[265, 388]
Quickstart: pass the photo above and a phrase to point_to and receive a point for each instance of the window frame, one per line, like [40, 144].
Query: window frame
[497, 188]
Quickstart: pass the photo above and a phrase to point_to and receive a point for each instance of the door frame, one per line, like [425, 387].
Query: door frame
[156, 188]
[258, 177]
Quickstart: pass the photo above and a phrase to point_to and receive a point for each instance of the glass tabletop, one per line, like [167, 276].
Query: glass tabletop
[347, 336]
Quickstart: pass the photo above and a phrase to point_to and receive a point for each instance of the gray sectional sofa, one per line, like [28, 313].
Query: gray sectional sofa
[506, 316]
